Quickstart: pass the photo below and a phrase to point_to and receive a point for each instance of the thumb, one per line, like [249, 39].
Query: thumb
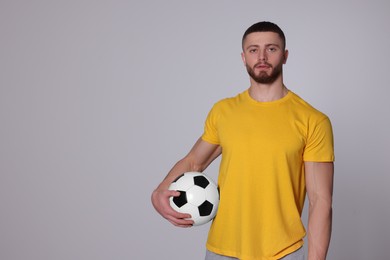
[172, 193]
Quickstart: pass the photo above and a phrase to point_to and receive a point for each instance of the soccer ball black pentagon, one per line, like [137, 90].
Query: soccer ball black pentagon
[199, 197]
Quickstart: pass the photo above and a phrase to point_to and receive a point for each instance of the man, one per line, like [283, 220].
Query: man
[275, 147]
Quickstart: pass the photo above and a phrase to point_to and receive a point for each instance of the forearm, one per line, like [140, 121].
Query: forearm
[319, 186]
[319, 230]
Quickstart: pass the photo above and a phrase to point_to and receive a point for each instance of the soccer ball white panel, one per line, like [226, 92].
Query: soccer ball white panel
[182, 183]
[196, 195]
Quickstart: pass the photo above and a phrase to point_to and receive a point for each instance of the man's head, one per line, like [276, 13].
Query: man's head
[265, 27]
[264, 52]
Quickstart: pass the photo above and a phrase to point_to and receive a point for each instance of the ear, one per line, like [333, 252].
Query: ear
[285, 56]
[243, 58]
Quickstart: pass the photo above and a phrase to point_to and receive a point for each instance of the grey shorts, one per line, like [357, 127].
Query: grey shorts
[297, 255]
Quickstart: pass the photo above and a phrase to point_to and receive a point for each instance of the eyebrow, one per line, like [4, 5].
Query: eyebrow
[267, 45]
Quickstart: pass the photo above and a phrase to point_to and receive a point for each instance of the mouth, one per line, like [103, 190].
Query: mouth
[262, 66]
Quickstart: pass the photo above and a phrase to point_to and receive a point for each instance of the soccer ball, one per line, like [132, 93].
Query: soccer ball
[199, 197]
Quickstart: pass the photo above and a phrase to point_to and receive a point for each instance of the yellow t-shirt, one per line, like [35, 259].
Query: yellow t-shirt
[261, 178]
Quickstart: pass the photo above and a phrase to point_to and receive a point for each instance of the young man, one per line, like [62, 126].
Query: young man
[275, 147]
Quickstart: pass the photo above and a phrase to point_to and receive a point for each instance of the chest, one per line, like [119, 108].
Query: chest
[269, 130]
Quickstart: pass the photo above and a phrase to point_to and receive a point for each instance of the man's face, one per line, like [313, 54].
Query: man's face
[264, 56]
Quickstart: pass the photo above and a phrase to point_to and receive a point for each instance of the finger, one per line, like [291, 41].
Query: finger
[179, 218]
[172, 193]
[179, 215]
[180, 222]
[171, 211]
[172, 214]
[178, 225]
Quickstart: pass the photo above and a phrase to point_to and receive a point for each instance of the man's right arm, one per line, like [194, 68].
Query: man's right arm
[197, 160]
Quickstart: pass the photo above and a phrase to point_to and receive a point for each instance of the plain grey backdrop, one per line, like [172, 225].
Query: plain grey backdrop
[98, 100]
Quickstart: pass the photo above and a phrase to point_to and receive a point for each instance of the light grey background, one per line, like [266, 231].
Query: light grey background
[98, 99]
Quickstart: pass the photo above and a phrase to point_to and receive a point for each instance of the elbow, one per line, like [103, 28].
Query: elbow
[194, 167]
[189, 165]
[323, 204]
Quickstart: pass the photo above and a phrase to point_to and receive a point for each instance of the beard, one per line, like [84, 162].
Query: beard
[262, 77]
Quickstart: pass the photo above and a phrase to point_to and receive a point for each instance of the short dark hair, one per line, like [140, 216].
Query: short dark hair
[265, 27]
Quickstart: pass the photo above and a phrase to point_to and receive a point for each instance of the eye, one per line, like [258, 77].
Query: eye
[272, 49]
[252, 50]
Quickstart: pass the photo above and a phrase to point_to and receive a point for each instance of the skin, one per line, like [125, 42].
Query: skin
[319, 188]
[263, 55]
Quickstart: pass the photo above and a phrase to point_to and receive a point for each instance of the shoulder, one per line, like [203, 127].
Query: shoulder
[230, 101]
[305, 109]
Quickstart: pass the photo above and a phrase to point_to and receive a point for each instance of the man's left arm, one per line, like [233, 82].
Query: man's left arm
[319, 187]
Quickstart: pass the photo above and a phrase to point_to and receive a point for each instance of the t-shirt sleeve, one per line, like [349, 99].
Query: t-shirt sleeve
[319, 145]
[210, 133]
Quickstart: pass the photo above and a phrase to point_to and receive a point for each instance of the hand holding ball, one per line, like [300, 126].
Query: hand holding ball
[199, 197]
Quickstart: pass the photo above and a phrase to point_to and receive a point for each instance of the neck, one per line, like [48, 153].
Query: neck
[267, 92]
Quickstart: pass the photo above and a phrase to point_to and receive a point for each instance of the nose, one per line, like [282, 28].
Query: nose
[262, 55]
